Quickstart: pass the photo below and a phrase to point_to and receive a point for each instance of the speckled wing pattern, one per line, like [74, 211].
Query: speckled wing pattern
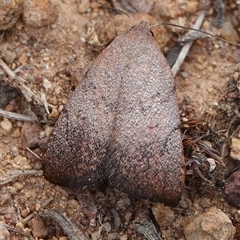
[122, 124]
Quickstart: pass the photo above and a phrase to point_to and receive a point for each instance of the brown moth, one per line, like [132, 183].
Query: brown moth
[121, 124]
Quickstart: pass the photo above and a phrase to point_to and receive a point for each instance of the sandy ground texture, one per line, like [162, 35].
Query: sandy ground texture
[49, 45]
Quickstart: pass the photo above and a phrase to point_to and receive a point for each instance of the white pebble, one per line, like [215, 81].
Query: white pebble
[15, 151]
[6, 125]
[47, 84]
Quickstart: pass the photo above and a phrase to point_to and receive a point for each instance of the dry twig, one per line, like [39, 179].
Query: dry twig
[28, 94]
[187, 46]
[17, 116]
[18, 173]
[19, 231]
[148, 230]
[69, 228]
[34, 213]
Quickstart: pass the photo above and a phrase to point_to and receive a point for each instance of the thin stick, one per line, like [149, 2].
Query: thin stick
[187, 46]
[68, 227]
[19, 173]
[148, 230]
[33, 153]
[17, 116]
[27, 92]
[29, 217]
[10, 72]
[201, 31]
[45, 103]
[16, 230]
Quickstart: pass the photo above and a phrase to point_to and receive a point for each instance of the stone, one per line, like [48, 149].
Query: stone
[4, 233]
[6, 126]
[39, 13]
[211, 225]
[30, 134]
[10, 11]
[232, 189]
[38, 228]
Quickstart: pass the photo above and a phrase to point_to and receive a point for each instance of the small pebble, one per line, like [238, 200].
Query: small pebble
[83, 6]
[10, 12]
[39, 13]
[93, 222]
[38, 207]
[63, 238]
[17, 186]
[5, 196]
[95, 235]
[124, 237]
[38, 228]
[212, 225]
[54, 113]
[23, 59]
[235, 148]
[46, 59]
[4, 233]
[112, 236]
[232, 189]
[6, 125]
[48, 130]
[54, 100]
[21, 163]
[236, 75]
[94, 5]
[107, 227]
[205, 203]
[229, 33]
[11, 218]
[9, 56]
[25, 212]
[14, 151]
[16, 133]
[47, 84]
[30, 134]
[53, 26]
[58, 90]
[19, 225]
[163, 215]
[60, 108]
[123, 203]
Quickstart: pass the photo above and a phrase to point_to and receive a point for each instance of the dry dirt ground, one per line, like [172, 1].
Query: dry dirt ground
[52, 56]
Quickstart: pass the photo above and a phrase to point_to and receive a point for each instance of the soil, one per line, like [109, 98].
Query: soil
[52, 56]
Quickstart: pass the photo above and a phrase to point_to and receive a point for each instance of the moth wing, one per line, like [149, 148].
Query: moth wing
[78, 144]
[146, 155]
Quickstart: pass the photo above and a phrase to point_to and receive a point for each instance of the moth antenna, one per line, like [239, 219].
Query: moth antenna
[219, 21]
[197, 30]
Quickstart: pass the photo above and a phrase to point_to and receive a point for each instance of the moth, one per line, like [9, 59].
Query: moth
[121, 124]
